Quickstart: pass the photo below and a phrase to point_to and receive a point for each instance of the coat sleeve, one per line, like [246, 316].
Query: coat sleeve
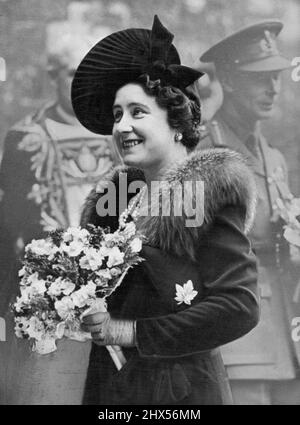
[229, 308]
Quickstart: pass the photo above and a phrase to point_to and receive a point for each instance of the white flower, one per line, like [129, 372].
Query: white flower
[23, 300]
[105, 274]
[42, 247]
[36, 328]
[21, 325]
[104, 250]
[65, 307]
[115, 271]
[185, 294]
[115, 257]
[22, 272]
[19, 304]
[129, 230]
[26, 294]
[33, 286]
[136, 245]
[38, 287]
[68, 287]
[292, 236]
[75, 240]
[295, 207]
[84, 295]
[111, 239]
[60, 286]
[92, 259]
[32, 278]
[73, 249]
[76, 234]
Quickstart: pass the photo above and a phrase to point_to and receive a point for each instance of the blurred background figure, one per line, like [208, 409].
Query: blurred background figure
[209, 90]
[262, 365]
[50, 163]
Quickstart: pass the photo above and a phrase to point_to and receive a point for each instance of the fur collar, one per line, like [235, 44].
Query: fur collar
[227, 181]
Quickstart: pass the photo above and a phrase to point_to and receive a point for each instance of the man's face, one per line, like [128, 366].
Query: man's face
[255, 93]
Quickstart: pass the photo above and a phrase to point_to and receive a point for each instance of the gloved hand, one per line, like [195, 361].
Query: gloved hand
[108, 331]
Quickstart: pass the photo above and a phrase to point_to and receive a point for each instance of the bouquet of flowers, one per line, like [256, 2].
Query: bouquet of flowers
[67, 275]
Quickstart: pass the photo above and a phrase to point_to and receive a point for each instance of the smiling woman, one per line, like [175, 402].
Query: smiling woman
[196, 289]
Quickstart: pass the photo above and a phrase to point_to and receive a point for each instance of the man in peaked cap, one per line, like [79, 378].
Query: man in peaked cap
[262, 366]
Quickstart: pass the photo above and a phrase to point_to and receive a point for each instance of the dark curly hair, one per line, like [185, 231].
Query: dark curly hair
[183, 108]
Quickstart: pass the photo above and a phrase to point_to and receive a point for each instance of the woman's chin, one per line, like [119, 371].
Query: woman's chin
[131, 160]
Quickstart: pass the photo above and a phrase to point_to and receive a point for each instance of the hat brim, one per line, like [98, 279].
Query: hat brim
[272, 63]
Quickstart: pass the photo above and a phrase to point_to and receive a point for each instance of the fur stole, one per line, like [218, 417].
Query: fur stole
[227, 181]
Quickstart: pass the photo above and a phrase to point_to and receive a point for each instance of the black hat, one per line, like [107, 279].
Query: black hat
[252, 49]
[119, 59]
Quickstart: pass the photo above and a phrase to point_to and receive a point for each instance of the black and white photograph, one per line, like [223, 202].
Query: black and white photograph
[149, 204]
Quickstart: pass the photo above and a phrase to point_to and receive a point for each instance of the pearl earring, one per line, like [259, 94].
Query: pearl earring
[178, 136]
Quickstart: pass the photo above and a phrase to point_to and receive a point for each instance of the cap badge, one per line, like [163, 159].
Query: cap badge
[268, 44]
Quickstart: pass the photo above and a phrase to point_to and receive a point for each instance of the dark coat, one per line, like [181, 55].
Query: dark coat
[177, 360]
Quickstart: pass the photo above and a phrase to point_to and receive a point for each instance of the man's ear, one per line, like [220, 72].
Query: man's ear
[227, 81]
[53, 73]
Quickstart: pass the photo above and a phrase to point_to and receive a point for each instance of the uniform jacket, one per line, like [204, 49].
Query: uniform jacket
[177, 358]
[267, 352]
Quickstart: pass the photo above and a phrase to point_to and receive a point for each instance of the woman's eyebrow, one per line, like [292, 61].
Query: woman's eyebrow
[132, 104]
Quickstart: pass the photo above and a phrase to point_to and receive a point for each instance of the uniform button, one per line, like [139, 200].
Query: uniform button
[270, 180]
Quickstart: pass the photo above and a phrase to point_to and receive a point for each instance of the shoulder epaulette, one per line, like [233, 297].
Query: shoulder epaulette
[29, 123]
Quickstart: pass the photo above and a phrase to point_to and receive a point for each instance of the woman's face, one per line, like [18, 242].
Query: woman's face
[141, 129]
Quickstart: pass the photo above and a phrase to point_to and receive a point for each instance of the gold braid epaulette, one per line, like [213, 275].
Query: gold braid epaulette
[26, 124]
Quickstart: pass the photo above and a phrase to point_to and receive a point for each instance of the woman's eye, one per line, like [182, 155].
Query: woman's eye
[117, 116]
[138, 112]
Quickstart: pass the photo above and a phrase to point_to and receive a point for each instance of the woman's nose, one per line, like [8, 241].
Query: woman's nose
[124, 125]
